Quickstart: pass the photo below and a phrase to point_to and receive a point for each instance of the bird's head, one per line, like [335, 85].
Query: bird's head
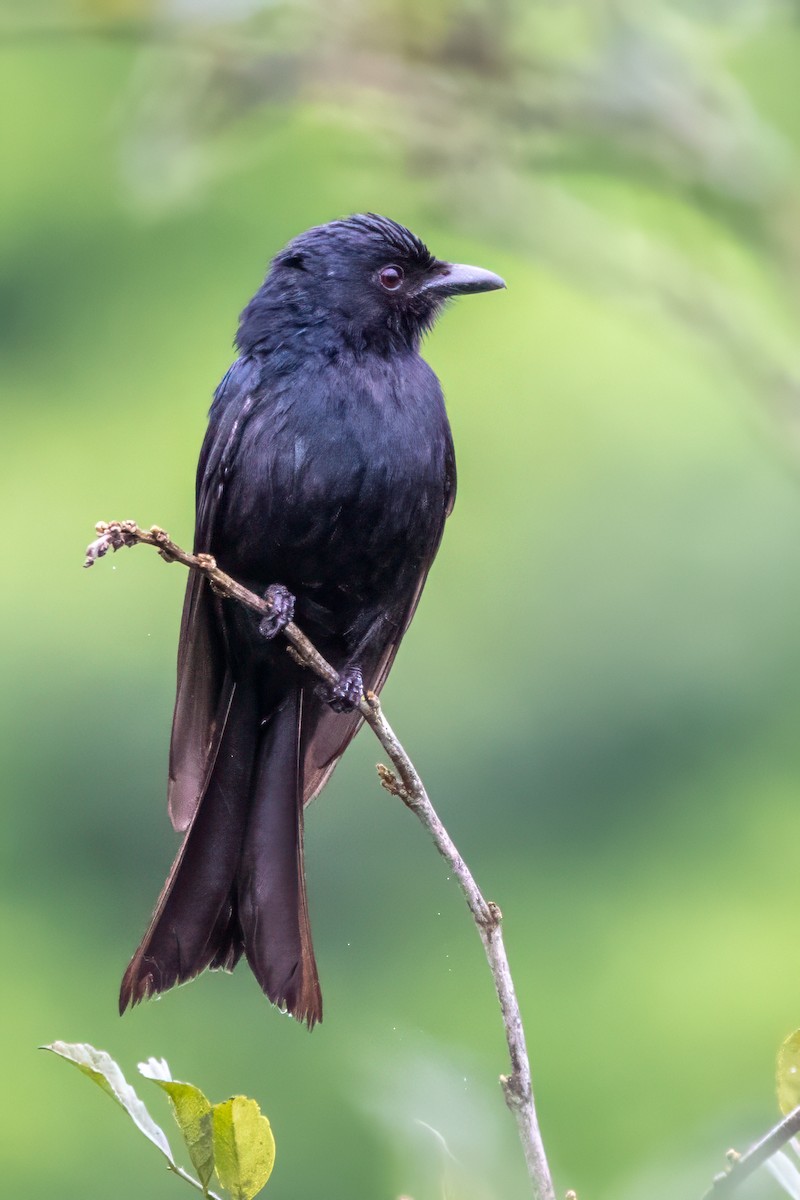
[365, 280]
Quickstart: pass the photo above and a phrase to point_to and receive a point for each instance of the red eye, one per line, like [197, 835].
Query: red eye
[391, 278]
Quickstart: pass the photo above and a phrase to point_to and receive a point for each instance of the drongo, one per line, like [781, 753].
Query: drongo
[324, 482]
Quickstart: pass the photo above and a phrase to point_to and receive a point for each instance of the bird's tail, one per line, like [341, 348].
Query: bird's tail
[238, 884]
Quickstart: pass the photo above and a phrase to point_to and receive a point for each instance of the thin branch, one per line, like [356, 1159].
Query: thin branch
[179, 1171]
[743, 1165]
[405, 783]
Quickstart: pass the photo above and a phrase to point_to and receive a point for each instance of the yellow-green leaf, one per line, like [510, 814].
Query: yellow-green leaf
[244, 1148]
[192, 1112]
[788, 1073]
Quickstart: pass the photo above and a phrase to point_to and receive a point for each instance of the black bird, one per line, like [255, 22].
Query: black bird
[324, 480]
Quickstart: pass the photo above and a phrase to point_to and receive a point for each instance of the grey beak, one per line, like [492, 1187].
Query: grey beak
[457, 279]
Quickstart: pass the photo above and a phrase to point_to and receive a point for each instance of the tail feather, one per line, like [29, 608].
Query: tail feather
[227, 939]
[237, 882]
[196, 898]
[271, 894]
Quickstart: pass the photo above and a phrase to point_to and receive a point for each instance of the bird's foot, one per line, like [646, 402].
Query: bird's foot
[345, 695]
[282, 613]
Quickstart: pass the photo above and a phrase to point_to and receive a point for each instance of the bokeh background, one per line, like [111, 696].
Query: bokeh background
[601, 687]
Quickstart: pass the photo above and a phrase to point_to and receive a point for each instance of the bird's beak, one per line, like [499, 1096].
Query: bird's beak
[457, 279]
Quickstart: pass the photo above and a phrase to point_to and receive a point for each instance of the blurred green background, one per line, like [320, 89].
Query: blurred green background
[601, 686]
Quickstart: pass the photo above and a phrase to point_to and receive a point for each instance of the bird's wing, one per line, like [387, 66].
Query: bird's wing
[202, 702]
[205, 687]
[328, 734]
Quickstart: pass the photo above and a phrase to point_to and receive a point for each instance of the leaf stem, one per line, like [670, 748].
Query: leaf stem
[179, 1171]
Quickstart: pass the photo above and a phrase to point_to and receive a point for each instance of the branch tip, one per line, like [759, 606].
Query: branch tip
[112, 535]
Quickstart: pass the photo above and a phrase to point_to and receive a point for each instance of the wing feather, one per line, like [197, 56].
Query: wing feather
[328, 734]
[205, 686]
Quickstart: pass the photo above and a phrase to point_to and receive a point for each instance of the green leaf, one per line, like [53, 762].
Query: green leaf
[788, 1073]
[192, 1112]
[244, 1148]
[101, 1068]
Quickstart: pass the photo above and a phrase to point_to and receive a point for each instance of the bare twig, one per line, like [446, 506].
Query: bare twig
[179, 1171]
[743, 1165]
[115, 534]
[405, 783]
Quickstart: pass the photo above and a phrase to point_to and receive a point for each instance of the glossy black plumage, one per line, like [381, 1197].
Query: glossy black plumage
[327, 467]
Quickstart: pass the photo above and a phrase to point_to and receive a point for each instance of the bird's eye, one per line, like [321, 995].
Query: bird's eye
[391, 278]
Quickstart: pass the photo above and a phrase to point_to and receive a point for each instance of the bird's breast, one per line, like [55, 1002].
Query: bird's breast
[340, 480]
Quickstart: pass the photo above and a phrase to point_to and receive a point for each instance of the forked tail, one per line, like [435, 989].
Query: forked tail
[238, 884]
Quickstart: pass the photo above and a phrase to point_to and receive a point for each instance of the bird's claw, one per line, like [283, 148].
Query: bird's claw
[282, 612]
[345, 695]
